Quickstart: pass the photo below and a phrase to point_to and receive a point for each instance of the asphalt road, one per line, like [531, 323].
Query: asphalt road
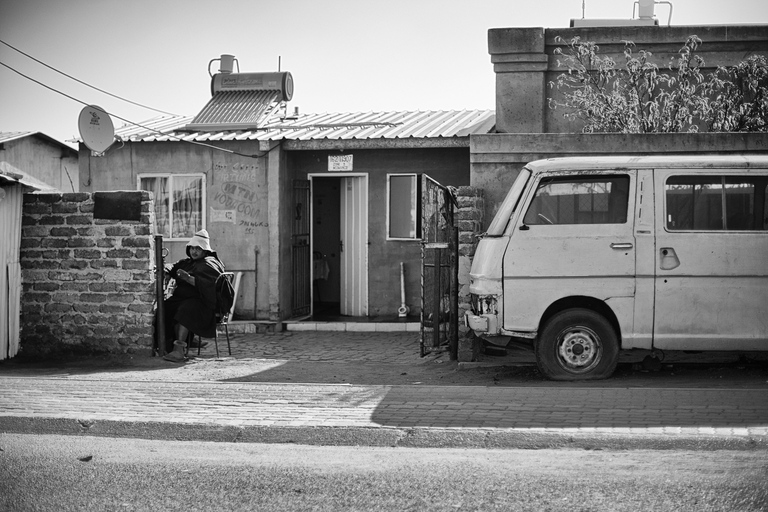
[60, 473]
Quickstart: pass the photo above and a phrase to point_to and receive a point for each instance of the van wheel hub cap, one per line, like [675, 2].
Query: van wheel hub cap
[579, 349]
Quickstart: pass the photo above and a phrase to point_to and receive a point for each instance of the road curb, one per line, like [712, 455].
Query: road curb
[413, 437]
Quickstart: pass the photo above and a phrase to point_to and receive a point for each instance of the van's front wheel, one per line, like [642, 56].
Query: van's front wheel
[577, 344]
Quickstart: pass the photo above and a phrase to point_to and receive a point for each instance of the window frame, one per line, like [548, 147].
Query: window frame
[562, 177]
[723, 176]
[170, 176]
[416, 197]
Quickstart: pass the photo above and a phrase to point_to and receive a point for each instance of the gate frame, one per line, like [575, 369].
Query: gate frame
[301, 252]
[435, 242]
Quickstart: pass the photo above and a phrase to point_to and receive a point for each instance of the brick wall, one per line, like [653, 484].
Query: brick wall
[88, 284]
[469, 216]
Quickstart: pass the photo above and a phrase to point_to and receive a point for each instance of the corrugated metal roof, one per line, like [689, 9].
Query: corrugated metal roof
[331, 126]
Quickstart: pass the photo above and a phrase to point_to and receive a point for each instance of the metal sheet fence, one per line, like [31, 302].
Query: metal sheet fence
[10, 270]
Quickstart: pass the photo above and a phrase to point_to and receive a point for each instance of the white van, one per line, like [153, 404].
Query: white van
[592, 255]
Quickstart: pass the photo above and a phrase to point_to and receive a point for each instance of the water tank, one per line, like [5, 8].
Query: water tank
[272, 81]
[645, 8]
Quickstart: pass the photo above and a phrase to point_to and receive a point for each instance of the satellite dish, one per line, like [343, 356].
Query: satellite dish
[96, 128]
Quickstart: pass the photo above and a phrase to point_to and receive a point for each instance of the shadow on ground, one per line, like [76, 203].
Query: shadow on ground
[431, 370]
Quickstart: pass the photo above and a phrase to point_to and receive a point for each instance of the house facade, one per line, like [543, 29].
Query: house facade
[316, 210]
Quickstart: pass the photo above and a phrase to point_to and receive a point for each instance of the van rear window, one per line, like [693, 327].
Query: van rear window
[598, 199]
[717, 203]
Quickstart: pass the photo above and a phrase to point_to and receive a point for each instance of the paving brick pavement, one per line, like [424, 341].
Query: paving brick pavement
[372, 347]
[390, 415]
[726, 417]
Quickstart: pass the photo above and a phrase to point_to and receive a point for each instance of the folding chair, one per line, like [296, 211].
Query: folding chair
[223, 320]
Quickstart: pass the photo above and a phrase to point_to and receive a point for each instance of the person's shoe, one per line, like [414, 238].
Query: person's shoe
[174, 357]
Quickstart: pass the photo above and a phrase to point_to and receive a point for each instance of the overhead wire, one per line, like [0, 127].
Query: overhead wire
[197, 143]
[84, 83]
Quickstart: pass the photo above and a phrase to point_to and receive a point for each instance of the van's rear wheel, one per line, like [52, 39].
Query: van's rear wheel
[577, 344]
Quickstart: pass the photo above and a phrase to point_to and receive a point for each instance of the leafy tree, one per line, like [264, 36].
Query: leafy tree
[639, 98]
[740, 97]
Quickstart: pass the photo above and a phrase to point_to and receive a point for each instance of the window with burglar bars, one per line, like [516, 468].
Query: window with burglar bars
[179, 203]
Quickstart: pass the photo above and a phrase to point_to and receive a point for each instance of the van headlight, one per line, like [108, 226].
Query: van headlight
[484, 304]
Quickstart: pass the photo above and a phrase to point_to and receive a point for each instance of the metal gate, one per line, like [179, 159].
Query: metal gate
[439, 269]
[300, 253]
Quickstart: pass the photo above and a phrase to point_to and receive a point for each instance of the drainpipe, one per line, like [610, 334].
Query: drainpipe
[403, 310]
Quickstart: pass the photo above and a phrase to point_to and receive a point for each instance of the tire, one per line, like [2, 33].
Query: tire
[577, 344]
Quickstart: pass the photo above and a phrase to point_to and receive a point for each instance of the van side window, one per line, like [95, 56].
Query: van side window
[717, 203]
[600, 199]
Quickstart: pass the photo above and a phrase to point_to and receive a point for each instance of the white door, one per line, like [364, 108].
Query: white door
[711, 260]
[354, 246]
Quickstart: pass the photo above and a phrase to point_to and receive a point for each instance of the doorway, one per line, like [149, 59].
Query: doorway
[339, 245]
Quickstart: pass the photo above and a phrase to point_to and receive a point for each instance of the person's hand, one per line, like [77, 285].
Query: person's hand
[184, 276]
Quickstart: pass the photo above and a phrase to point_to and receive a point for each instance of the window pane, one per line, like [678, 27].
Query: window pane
[716, 203]
[764, 191]
[593, 200]
[694, 202]
[159, 187]
[739, 205]
[402, 206]
[187, 206]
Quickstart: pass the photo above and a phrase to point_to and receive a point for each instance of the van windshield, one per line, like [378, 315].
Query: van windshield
[509, 205]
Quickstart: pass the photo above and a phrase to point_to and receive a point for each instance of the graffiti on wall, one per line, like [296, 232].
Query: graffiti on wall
[236, 200]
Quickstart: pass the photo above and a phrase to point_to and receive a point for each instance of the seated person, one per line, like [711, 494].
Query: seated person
[190, 310]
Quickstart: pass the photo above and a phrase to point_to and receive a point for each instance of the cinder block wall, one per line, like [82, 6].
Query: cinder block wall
[470, 212]
[88, 284]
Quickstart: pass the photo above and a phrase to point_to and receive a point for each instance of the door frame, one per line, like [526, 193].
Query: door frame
[364, 238]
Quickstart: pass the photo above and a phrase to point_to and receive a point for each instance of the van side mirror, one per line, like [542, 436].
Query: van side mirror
[524, 227]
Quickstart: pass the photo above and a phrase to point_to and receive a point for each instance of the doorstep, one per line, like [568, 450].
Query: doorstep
[261, 326]
[340, 326]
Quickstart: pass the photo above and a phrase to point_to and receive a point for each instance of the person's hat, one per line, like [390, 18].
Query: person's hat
[200, 240]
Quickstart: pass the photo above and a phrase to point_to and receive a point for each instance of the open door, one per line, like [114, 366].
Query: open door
[340, 245]
[353, 246]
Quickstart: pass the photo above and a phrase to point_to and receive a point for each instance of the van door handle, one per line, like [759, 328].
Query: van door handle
[621, 246]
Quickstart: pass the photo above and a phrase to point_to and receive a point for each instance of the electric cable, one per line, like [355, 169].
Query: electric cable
[237, 153]
[85, 83]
